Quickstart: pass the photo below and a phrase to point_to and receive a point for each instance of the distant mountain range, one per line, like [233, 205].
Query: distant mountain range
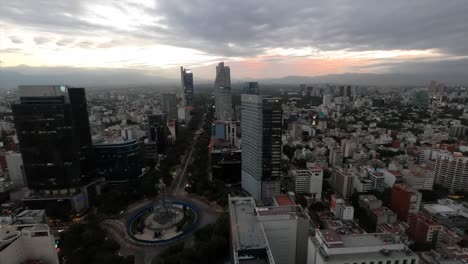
[372, 79]
[12, 77]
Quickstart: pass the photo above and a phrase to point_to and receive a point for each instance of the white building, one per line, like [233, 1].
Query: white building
[25, 242]
[341, 209]
[343, 182]
[309, 181]
[451, 171]
[286, 228]
[248, 239]
[275, 234]
[348, 146]
[419, 178]
[15, 168]
[332, 248]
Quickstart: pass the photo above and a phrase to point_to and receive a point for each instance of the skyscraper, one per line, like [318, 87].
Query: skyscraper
[223, 76]
[186, 93]
[261, 128]
[158, 131]
[169, 105]
[55, 140]
[223, 97]
[251, 88]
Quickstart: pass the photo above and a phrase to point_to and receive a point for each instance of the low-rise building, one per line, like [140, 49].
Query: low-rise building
[329, 247]
[19, 243]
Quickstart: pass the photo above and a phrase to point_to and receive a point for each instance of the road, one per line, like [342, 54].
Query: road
[144, 254]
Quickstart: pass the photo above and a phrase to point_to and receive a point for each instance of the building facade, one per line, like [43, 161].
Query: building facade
[329, 247]
[119, 161]
[451, 171]
[223, 97]
[55, 140]
[169, 105]
[405, 201]
[309, 181]
[19, 243]
[186, 94]
[261, 129]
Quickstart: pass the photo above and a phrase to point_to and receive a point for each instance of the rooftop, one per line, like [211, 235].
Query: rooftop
[334, 239]
[283, 199]
[247, 233]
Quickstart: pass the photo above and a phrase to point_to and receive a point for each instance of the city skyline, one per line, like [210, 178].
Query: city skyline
[261, 40]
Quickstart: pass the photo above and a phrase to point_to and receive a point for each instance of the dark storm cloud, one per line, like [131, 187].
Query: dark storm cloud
[52, 15]
[246, 28]
[328, 25]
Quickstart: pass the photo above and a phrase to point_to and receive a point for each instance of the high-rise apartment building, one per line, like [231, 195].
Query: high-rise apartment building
[343, 182]
[261, 130]
[169, 105]
[186, 94]
[55, 140]
[451, 171]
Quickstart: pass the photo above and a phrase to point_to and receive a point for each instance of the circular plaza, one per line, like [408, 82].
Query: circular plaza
[162, 222]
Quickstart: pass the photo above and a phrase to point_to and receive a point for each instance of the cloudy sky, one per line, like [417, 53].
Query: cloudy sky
[257, 38]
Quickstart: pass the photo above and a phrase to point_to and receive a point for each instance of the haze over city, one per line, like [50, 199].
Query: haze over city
[148, 40]
[243, 132]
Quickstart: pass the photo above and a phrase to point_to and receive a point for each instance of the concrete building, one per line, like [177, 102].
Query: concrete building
[308, 181]
[169, 105]
[224, 134]
[15, 168]
[340, 208]
[369, 202]
[419, 177]
[343, 182]
[53, 128]
[458, 131]
[249, 243]
[186, 94]
[19, 243]
[284, 228]
[329, 247]
[422, 228]
[223, 105]
[118, 160]
[287, 230]
[251, 88]
[223, 97]
[261, 128]
[405, 201]
[451, 171]
[336, 157]
[348, 146]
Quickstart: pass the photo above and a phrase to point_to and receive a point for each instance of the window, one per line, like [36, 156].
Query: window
[405, 261]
